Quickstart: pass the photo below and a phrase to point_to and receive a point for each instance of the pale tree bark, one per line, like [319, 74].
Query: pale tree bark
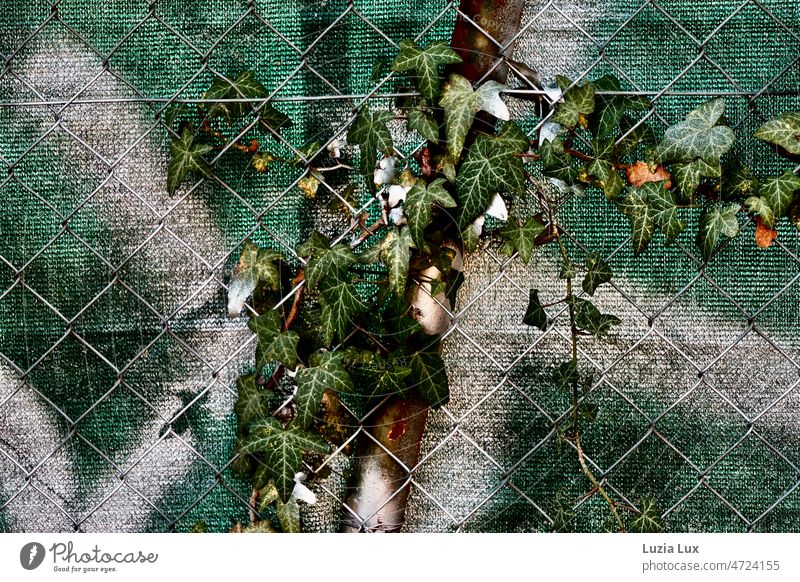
[378, 494]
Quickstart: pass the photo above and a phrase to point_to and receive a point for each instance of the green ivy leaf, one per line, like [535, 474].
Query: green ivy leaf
[716, 221]
[370, 132]
[245, 86]
[328, 374]
[270, 118]
[663, 209]
[186, 156]
[578, 101]
[325, 261]
[688, 175]
[461, 103]
[418, 207]
[535, 315]
[698, 136]
[424, 124]
[607, 177]
[566, 375]
[635, 134]
[470, 238]
[340, 303]
[396, 254]
[281, 451]
[609, 109]
[758, 205]
[556, 163]
[522, 237]
[598, 272]
[648, 520]
[288, 515]
[272, 344]
[736, 181]
[635, 206]
[589, 318]
[425, 61]
[251, 402]
[779, 191]
[783, 131]
[429, 377]
[490, 167]
[391, 379]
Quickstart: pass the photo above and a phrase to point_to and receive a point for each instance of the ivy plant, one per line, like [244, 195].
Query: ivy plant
[343, 322]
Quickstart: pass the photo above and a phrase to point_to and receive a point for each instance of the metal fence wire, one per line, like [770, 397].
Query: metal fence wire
[117, 359]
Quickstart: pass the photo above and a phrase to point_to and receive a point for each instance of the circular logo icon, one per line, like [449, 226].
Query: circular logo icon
[31, 555]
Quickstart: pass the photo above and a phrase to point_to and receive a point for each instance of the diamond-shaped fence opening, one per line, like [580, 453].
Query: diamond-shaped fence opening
[118, 362]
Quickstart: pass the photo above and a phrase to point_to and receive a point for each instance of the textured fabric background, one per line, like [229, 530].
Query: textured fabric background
[117, 360]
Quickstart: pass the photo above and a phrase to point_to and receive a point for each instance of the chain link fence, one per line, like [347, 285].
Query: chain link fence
[117, 361]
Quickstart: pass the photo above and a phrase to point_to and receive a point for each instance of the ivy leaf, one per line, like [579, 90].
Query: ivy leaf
[635, 206]
[566, 375]
[556, 163]
[589, 318]
[490, 167]
[648, 520]
[418, 207]
[288, 515]
[251, 402]
[535, 315]
[461, 103]
[283, 349]
[328, 374]
[254, 266]
[736, 181]
[688, 175]
[522, 236]
[714, 222]
[512, 138]
[783, 131]
[779, 191]
[369, 131]
[430, 377]
[697, 136]
[635, 134]
[396, 254]
[271, 118]
[609, 109]
[272, 344]
[325, 261]
[759, 206]
[391, 379]
[424, 124]
[607, 177]
[340, 303]
[281, 451]
[186, 156]
[578, 102]
[598, 273]
[425, 62]
[663, 209]
[245, 86]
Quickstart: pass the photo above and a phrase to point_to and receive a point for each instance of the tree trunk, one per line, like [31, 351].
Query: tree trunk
[377, 498]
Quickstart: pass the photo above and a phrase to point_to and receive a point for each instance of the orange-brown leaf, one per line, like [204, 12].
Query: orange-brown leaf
[639, 174]
[764, 234]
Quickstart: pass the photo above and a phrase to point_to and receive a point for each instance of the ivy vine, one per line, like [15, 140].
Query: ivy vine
[344, 321]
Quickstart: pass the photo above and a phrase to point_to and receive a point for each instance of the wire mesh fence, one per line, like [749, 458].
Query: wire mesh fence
[118, 360]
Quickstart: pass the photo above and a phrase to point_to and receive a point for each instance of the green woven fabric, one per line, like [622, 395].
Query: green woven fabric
[117, 360]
